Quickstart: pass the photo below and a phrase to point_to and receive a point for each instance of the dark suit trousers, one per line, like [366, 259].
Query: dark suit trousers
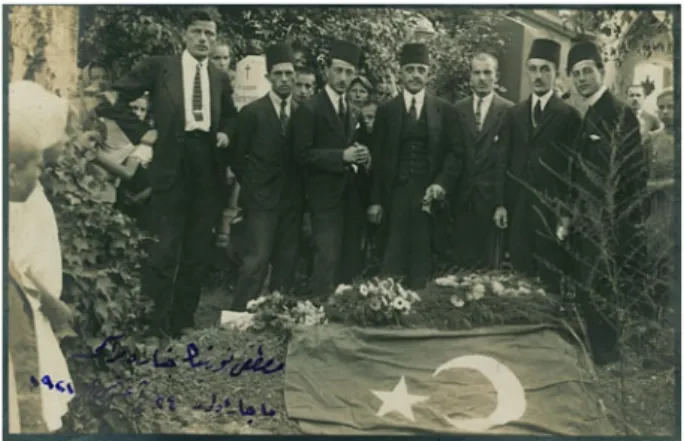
[337, 235]
[272, 237]
[533, 246]
[185, 215]
[474, 235]
[409, 242]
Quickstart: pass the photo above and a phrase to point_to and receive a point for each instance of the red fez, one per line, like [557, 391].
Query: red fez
[545, 49]
[585, 50]
[346, 51]
[278, 53]
[414, 53]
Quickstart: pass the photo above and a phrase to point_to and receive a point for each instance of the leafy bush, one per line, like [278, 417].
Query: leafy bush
[102, 249]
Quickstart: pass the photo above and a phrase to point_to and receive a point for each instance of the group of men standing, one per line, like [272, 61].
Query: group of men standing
[497, 166]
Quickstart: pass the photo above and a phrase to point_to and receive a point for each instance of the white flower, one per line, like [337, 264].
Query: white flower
[524, 290]
[251, 305]
[448, 281]
[342, 288]
[276, 295]
[457, 301]
[401, 305]
[470, 296]
[363, 290]
[402, 292]
[497, 287]
[413, 296]
[372, 288]
[510, 292]
[375, 304]
[541, 292]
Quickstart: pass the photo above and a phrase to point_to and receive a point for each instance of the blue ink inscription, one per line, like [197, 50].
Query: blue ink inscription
[60, 386]
[192, 358]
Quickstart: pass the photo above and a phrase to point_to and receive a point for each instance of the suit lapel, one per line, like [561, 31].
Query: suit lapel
[434, 123]
[173, 80]
[492, 116]
[469, 115]
[330, 114]
[270, 112]
[215, 91]
[548, 115]
[526, 120]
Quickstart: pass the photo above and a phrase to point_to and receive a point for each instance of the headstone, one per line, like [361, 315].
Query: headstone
[250, 80]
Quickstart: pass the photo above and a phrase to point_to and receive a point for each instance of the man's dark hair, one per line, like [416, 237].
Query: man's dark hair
[198, 15]
[306, 71]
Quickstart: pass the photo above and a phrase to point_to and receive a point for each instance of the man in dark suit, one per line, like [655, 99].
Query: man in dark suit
[542, 130]
[270, 185]
[480, 191]
[418, 157]
[194, 115]
[322, 132]
[609, 179]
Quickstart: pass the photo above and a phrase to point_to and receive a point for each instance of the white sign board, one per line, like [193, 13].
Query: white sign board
[250, 80]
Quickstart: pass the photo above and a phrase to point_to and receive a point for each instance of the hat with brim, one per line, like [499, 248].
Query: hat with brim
[277, 54]
[545, 49]
[584, 51]
[346, 51]
[414, 53]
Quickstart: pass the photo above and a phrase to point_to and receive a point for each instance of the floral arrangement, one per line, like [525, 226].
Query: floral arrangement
[372, 302]
[469, 300]
[277, 311]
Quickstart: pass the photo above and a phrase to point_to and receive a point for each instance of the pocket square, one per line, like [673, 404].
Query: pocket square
[358, 125]
[496, 138]
[594, 137]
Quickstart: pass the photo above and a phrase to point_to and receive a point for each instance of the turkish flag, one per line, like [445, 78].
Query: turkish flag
[524, 380]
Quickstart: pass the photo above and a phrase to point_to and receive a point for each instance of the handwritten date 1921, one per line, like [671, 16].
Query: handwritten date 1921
[59, 386]
[225, 408]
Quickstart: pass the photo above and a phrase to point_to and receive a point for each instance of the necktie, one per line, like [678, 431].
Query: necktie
[478, 114]
[197, 95]
[413, 111]
[284, 117]
[537, 116]
[341, 110]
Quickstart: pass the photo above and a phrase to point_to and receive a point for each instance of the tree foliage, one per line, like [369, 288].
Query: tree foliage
[122, 35]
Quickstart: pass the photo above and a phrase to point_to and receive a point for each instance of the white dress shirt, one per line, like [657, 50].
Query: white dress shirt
[335, 98]
[484, 107]
[276, 100]
[189, 68]
[542, 100]
[420, 100]
[596, 96]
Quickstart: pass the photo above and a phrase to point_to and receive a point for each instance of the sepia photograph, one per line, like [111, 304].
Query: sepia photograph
[244, 219]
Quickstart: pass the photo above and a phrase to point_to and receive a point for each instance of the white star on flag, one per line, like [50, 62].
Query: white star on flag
[399, 400]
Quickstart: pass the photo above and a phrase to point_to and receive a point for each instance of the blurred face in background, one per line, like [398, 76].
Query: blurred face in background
[541, 74]
[368, 115]
[304, 86]
[587, 77]
[666, 110]
[281, 78]
[300, 59]
[339, 75]
[358, 94]
[484, 74]
[635, 95]
[24, 170]
[99, 77]
[199, 38]
[220, 56]
[139, 107]
[414, 77]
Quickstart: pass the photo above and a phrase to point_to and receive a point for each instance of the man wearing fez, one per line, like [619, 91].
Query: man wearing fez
[417, 148]
[270, 184]
[194, 116]
[323, 132]
[542, 130]
[480, 191]
[609, 179]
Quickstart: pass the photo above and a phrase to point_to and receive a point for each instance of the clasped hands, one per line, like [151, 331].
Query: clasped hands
[357, 154]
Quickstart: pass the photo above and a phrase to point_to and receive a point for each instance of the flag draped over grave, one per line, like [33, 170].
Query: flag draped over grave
[498, 380]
